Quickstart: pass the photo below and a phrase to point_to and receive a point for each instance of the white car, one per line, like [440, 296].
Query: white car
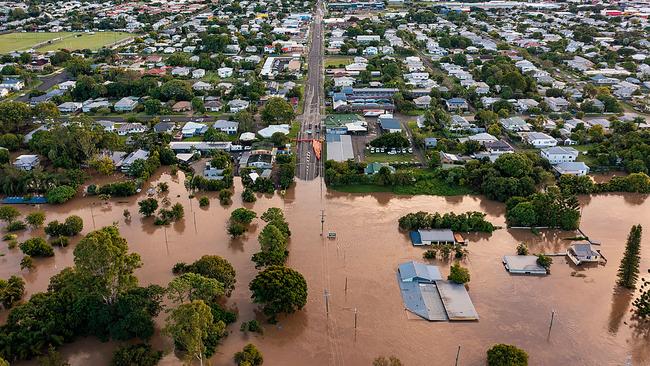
[392, 152]
[410, 150]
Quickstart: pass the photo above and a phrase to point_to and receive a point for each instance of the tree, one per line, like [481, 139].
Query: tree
[8, 213]
[514, 165]
[103, 254]
[243, 215]
[458, 274]
[46, 110]
[279, 139]
[628, 271]
[35, 219]
[36, 247]
[14, 116]
[249, 356]
[176, 90]
[191, 286]
[52, 358]
[280, 290]
[60, 194]
[136, 355]
[26, 262]
[148, 206]
[523, 214]
[506, 355]
[190, 325]
[152, 106]
[78, 66]
[383, 361]
[544, 261]
[104, 165]
[277, 111]
[212, 266]
[11, 291]
[248, 195]
[236, 229]
[72, 225]
[522, 249]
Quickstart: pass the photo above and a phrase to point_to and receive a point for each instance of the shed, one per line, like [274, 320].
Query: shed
[433, 236]
[456, 301]
[523, 264]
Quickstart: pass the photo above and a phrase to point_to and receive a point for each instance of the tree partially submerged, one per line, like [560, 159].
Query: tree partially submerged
[628, 271]
[279, 290]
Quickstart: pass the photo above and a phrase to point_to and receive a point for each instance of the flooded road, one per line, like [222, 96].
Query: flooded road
[591, 327]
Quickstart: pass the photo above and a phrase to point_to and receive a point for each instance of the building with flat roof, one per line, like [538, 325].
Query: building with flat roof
[339, 147]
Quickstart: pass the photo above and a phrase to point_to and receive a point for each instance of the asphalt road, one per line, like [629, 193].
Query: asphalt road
[309, 167]
[48, 82]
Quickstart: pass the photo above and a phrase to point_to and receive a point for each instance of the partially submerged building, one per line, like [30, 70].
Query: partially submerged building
[523, 264]
[432, 236]
[427, 295]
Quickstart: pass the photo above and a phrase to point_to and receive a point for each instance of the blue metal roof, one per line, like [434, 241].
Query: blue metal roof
[22, 200]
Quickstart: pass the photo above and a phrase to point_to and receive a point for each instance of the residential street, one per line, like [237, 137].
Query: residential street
[310, 122]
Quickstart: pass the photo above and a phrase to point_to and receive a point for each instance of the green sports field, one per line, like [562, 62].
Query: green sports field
[68, 40]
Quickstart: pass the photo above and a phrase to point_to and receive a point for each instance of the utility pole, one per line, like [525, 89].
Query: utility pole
[92, 214]
[346, 286]
[457, 355]
[327, 303]
[322, 221]
[550, 326]
[355, 318]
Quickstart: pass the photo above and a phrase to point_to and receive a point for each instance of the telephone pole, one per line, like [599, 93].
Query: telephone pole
[322, 221]
[327, 303]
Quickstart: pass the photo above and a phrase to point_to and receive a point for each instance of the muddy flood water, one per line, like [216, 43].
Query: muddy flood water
[592, 323]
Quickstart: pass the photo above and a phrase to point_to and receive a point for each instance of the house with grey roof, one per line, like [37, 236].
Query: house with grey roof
[580, 253]
[126, 104]
[432, 236]
[572, 168]
[127, 162]
[559, 154]
[229, 127]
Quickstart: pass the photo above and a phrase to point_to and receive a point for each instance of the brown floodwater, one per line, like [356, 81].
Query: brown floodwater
[592, 321]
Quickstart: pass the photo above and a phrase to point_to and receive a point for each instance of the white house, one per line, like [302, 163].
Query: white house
[180, 71]
[193, 128]
[198, 73]
[228, 127]
[559, 154]
[129, 128]
[237, 105]
[539, 139]
[572, 168]
[202, 85]
[69, 107]
[127, 162]
[224, 72]
[26, 162]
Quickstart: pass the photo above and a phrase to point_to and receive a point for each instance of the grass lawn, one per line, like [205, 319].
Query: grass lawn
[385, 158]
[335, 61]
[69, 40]
[293, 131]
[21, 41]
[90, 41]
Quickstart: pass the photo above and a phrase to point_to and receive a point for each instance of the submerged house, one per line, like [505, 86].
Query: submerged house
[580, 253]
[432, 236]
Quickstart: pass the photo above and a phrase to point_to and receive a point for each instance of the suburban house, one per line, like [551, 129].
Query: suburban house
[238, 105]
[572, 168]
[126, 104]
[498, 147]
[191, 129]
[228, 127]
[69, 107]
[580, 253]
[129, 128]
[164, 127]
[557, 104]
[225, 72]
[127, 162]
[202, 85]
[182, 106]
[559, 154]
[212, 173]
[11, 84]
[539, 139]
[373, 168]
[26, 162]
[457, 104]
[515, 124]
